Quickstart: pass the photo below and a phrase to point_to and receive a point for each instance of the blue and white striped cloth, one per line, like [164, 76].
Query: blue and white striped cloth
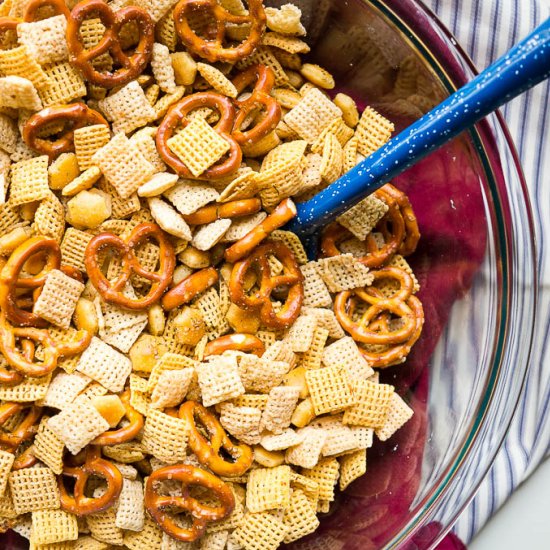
[486, 29]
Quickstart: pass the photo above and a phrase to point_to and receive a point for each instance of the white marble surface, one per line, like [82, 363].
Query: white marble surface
[523, 523]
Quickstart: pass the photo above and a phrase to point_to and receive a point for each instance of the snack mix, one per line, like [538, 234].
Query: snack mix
[174, 372]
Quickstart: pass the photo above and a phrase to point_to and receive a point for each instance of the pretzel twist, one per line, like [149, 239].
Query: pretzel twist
[52, 350]
[127, 432]
[260, 300]
[75, 115]
[112, 291]
[232, 209]
[374, 327]
[11, 280]
[33, 6]
[25, 430]
[176, 116]
[398, 226]
[131, 65]
[189, 288]
[264, 80]
[284, 212]
[24, 460]
[158, 505]
[239, 341]
[207, 449]
[211, 47]
[94, 465]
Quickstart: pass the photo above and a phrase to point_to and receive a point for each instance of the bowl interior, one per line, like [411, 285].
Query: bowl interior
[464, 375]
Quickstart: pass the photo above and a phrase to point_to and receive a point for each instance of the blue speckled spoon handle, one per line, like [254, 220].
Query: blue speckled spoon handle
[521, 68]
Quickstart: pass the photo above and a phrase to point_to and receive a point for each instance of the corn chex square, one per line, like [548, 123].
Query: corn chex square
[73, 247]
[261, 531]
[171, 388]
[363, 217]
[300, 517]
[189, 196]
[312, 115]
[6, 462]
[325, 474]
[123, 165]
[31, 389]
[130, 513]
[300, 335]
[329, 389]
[45, 39]
[33, 489]
[168, 219]
[48, 448]
[102, 527]
[8, 134]
[18, 62]
[105, 365]
[399, 414]
[241, 422]
[343, 272]
[17, 92]
[372, 406]
[254, 400]
[311, 359]
[279, 408]
[209, 235]
[167, 362]
[261, 375]
[7, 509]
[325, 319]
[149, 537]
[66, 84]
[29, 180]
[345, 353]
[51, 526]
[352, 467]
[316, 293]
[165, 437]
[64, 388]
[78, 424]
[219, 380]
[307, 453]
[87, 141]
[57, 301]
[198, 146]
[49, 218]
[128, 108]
[268, 489]
[372, 131]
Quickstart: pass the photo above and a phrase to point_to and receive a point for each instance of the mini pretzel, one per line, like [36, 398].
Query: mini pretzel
[112, 291]
[176, 116]
[240, 342]
[284, 212]
[394, 354]
[12, 377]
[75, 115]
[189, 288]
[374, 327]
[399, 228]
[211, 48]
[52, 351]
[208, 449]
[31, 10]
[11, 280]
[128, 431]
[159, 505]
[232, 209]
[26, 428]
[260, 300]
[264, 79]
[78, 503]
[131, 65]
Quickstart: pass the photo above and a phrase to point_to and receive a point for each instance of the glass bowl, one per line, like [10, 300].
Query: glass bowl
[476, 267]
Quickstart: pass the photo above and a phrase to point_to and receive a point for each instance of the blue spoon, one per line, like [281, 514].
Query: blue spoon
[521, 68]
